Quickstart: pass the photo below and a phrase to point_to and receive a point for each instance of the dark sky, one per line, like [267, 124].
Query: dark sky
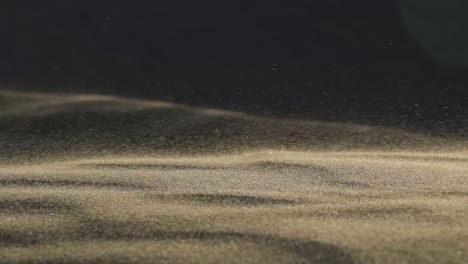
[364, 61]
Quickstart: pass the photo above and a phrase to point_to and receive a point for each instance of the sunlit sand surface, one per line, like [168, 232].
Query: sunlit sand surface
[97, 179]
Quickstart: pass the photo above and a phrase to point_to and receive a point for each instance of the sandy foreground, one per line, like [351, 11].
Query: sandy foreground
[82, 192]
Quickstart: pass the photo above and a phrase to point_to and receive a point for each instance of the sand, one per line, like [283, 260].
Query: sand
[103, 179]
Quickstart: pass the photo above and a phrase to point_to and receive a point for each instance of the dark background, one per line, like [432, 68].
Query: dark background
[333, 60]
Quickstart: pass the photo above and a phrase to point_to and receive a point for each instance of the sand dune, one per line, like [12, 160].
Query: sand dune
[100, 179]
[47, 126]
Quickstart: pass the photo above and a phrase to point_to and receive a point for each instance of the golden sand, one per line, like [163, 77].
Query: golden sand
[330, 193]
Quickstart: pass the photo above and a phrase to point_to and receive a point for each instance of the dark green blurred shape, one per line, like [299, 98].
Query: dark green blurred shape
[440, 26]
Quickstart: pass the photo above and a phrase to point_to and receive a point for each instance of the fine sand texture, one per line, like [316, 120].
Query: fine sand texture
[103, 179]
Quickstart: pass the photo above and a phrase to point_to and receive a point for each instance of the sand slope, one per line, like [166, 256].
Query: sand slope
[98, 179]
[47, 126]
